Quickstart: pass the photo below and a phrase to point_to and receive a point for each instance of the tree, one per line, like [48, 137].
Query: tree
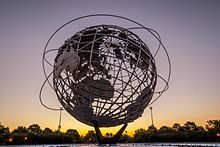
[125, 138]
[190, 126]
[35, 135]
[152, 133]
[140, 135]
[152, 130]
[19, 135]
[20, 130]
[4, 134]
[177, 127]
[34, 129]
[213, 130]
[74, 135]
[47, 131]
[177, 133]
[90, 137]
[165, 130]
[192, 132]
[213, 125]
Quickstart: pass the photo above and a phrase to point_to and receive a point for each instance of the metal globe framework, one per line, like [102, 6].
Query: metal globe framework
[105, 73]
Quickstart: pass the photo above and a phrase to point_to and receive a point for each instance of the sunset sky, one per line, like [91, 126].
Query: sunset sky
[190, 30]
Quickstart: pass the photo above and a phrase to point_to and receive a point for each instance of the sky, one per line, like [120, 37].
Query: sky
[189, 30]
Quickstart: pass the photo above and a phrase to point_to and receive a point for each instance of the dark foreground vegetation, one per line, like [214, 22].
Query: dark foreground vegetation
[189, 132]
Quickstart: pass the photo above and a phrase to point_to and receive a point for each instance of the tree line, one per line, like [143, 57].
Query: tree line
[189, 132]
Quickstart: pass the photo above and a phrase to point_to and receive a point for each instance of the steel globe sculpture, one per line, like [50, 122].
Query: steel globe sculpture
[104, 74]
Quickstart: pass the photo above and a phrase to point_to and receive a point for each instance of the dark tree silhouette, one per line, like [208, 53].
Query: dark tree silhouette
[125, 139]
[213, 130]
[177, 127]
[152, 130]
[47, 131]
[20, 130]
[189, 132]
[192, 132]
[165, 130]
[74, 135]
[140, 135]
[34, 129]
[90, 137]
[4, 134]
[18, 136]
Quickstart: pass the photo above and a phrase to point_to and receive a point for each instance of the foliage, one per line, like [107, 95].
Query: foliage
[4, 134]
[140, 135]
[90, 137]
[34, 129]
[47, 131]
[125, 139]
[20, 130]
[213, 130]
[189, 132]
[74, 135]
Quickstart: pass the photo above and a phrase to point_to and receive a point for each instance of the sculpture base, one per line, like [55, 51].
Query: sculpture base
[104, 140]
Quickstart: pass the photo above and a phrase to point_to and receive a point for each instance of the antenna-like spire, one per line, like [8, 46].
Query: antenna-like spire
[59, 126]
[151, 112]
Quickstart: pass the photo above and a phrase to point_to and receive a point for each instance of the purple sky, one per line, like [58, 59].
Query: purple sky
[189, 30]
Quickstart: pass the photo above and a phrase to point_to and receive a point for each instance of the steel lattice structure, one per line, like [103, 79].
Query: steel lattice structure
[105, 73]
